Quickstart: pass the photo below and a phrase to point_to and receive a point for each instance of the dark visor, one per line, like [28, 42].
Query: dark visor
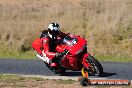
[53, 32]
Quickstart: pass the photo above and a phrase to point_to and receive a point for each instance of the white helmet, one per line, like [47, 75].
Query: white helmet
[53, 30]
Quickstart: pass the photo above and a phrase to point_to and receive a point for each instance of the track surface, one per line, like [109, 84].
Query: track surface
[112, 70]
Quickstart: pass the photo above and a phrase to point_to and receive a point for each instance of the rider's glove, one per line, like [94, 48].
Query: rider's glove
[41, 48]
[57, 55]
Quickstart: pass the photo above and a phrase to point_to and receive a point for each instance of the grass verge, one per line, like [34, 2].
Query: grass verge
[113, 58]
[16, 81]
[31, 54]
[18, 55]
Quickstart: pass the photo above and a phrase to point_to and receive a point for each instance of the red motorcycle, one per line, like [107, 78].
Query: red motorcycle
[74, 56]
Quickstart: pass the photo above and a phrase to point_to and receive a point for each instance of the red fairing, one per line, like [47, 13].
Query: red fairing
[86, 64]
[36, 45]
[54, 64]
[75, 48]
[65, 63]
[60, 48]
[73, 58]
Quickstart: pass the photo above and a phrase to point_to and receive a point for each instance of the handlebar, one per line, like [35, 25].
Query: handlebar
[63, 53]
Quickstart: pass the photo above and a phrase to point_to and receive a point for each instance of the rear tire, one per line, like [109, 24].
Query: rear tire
[97, 68]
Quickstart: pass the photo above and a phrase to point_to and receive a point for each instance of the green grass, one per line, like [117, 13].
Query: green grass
[16, 81]
[113, 58]
[18, 55]
[15, 78]
[65, 81]
[7, 52]
[8, 78]
[11, 78]
[31, 54]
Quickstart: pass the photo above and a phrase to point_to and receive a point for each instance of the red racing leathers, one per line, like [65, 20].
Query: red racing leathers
[49, 45]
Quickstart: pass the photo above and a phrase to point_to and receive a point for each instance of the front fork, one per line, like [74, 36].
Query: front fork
[86, 65]
[84, 80]
[84, 72]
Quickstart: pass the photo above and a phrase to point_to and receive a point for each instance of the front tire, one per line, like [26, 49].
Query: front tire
[95, 67]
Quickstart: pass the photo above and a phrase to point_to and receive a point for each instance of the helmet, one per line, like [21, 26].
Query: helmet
[53, 30]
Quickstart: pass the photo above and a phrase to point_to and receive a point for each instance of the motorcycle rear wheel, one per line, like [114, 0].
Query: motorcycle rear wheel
[95, 67]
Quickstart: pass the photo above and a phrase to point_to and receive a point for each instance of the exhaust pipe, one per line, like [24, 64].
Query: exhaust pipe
[45, 59]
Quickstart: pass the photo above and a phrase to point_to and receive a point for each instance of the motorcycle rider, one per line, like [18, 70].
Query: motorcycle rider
[49, 39]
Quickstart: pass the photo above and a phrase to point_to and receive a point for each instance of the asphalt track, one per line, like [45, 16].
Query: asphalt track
[112, 70]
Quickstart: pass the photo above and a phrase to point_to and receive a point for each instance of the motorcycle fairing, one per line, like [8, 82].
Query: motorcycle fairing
[75, 46]
[37, 45]
[85, 63]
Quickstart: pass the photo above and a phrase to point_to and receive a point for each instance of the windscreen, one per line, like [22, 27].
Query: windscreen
[69, 41]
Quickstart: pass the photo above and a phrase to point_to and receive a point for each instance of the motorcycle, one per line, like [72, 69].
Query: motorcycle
[73, 56]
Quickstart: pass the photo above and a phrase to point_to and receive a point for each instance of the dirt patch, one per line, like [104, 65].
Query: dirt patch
[14, 81]
[49, 84]
[39, 84]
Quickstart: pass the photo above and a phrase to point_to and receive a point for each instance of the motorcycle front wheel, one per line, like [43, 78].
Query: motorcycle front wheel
[95, 67]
